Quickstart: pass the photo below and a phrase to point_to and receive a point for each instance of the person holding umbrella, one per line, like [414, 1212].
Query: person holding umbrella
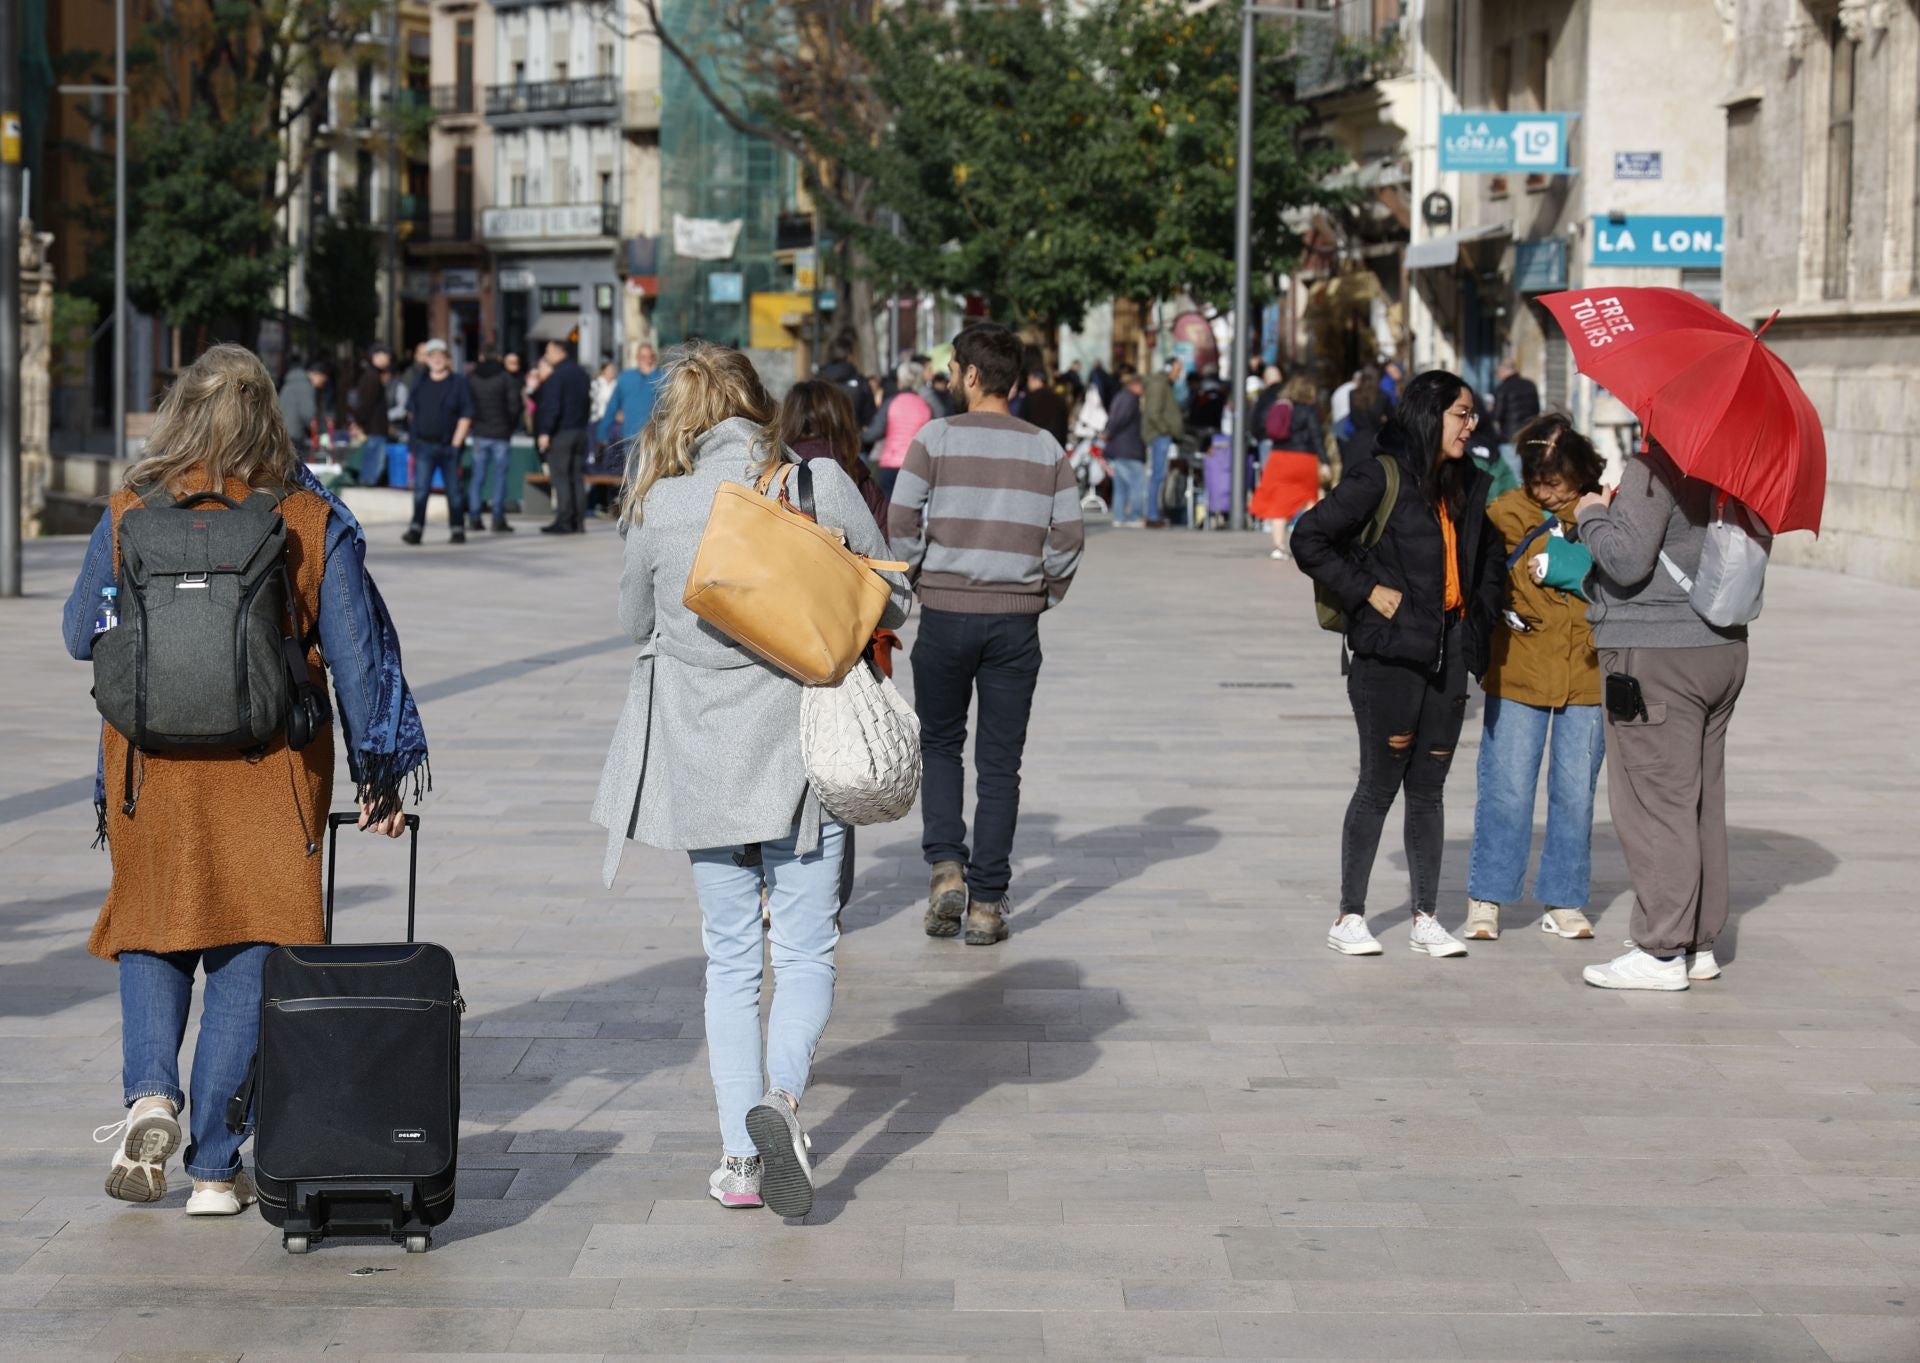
[1732, 441]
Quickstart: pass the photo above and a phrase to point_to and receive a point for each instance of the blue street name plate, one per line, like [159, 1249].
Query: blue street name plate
[1638, 165]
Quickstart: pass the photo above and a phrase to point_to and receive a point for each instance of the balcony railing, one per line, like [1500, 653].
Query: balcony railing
[551, 222]
[537, 98]
[421, 229]
[455, 99]
[1361, 44]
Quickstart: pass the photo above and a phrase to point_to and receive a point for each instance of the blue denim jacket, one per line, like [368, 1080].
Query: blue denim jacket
[384, 738]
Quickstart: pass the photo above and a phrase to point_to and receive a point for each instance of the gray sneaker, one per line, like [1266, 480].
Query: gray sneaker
[786, 1174]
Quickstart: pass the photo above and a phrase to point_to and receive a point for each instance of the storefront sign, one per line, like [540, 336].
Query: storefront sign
[1637, 165]
[460, 283]
[516, 281]
[1673, 242]
[827, 300]
[726, 287]
[1499, 144]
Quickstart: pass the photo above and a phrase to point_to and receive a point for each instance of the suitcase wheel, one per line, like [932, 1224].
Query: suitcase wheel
[296, 1244]
[418, 1244]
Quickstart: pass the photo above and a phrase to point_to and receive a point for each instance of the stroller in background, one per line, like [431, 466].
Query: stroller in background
[1086, 457]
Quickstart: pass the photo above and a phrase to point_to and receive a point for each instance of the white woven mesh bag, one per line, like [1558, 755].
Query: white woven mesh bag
[861, 743]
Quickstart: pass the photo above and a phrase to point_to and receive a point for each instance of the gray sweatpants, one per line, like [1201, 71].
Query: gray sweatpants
[1667, 784]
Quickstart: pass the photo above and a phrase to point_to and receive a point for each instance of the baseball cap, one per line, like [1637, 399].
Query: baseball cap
[436, 344]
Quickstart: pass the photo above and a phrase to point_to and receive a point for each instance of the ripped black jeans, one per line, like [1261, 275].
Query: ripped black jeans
[1409, 721]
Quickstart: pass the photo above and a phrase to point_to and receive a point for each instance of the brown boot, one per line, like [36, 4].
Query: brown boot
[986, 923]
[947, 899]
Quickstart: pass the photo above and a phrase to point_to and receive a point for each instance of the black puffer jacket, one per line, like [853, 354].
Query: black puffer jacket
[498, 406]
[1410, 558]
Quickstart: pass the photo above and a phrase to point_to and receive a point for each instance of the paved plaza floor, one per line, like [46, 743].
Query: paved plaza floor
[1162, 1121]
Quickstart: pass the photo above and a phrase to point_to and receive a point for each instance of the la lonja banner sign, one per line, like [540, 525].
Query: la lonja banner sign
[1691, 243]
[1505, 144]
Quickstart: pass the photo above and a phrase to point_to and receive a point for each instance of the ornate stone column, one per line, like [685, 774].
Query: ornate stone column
[36, 378]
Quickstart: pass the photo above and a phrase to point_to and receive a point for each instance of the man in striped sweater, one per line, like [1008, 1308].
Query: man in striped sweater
[987, 514]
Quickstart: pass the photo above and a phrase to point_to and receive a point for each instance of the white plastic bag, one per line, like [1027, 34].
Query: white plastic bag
[860, 741]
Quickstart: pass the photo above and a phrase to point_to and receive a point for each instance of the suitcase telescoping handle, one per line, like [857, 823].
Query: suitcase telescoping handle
[335, 822]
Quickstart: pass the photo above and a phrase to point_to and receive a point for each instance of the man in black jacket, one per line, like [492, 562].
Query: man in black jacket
[497, 404]
[563, 410]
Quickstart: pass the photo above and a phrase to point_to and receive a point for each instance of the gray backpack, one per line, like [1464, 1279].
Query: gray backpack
[205, 654]
[1726, 589]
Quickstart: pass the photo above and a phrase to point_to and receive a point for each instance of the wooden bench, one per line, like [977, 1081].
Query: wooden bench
[537, 497]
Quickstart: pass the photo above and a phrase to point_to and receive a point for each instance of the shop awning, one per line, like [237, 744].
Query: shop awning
[1442, 252]
[553, 326]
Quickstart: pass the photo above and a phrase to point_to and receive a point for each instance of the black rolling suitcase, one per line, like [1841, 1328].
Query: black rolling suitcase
[355, 1088]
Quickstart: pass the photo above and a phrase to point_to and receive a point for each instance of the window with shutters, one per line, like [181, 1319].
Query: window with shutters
[1839, 216]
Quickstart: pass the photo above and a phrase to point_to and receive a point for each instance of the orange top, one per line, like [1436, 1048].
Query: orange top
[1456, 599]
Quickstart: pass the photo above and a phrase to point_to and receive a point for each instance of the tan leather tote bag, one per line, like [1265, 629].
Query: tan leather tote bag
[786, 588]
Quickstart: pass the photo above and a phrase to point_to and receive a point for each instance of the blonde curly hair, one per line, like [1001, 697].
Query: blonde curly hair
[701, 385]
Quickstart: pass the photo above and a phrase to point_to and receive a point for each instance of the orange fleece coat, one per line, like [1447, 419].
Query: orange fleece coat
[215, 853]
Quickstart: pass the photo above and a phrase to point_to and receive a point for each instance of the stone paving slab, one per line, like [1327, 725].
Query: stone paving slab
[1161, 1122]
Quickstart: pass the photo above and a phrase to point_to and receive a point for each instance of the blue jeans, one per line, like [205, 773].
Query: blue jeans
[1159, 452]
[156, 991]
[1129, 490]
[373, 462]
[805, 906]
[490, 460]
[1510, 751]
[427, 459]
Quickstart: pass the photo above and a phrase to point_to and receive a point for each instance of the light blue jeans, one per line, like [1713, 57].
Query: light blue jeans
[490, 459]
[1511, 746]
[805, 907]
[1158, 453]
[156, 993]
[1129, 490]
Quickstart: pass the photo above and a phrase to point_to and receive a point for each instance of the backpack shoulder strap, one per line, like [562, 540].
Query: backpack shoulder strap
[1383, 510]
[1513, 559]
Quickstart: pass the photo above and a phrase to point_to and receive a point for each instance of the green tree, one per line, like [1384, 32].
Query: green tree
[201, 243]
[342, 268]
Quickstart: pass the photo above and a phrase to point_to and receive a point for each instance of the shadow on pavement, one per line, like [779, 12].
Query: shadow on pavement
[1046, 882]
[902, 1089]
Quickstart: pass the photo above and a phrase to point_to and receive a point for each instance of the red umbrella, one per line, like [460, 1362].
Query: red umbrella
[1725, 407]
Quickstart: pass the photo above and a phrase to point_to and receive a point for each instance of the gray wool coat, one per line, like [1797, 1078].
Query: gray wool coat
[707, 752]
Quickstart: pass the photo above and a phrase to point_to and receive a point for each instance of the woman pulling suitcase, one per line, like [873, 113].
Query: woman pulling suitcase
[707, 760]
[214, 848]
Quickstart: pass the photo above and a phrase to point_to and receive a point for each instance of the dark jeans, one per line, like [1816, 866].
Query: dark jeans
[955, 657]
[1409, 721]
[428, 457]
[567, 466]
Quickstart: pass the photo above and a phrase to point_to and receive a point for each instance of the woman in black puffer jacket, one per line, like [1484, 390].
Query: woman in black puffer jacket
[1421, 605]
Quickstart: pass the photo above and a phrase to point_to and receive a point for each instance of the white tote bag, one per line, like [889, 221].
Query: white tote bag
[861, 743]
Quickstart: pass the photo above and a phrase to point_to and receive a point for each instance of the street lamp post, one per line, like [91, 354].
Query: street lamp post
[1243, 243]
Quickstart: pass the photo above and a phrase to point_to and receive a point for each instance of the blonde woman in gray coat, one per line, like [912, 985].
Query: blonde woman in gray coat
[707, 760]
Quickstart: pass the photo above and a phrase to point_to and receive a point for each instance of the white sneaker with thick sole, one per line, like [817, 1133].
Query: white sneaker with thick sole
[1638, 970]
[1350, 937]
[1483, 921]
[227, 1198]
[152, 1132]
[1703, 966]
[1569, 923]
[1430, 939]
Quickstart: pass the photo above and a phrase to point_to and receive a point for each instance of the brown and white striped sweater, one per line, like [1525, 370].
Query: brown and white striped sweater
[986, 513]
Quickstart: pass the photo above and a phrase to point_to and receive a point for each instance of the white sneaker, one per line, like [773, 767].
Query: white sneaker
[1483, 921]
[1638, 970]
[1432, 939]
[786, 1173]
[226, 1198]
[1569, 923]
[1349, 937]
[151, 1133]
[1703, 966]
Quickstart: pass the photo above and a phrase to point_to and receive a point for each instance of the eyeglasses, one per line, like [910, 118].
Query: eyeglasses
[1470, 416]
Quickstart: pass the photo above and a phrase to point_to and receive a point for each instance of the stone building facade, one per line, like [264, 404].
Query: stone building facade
[1823, 224]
